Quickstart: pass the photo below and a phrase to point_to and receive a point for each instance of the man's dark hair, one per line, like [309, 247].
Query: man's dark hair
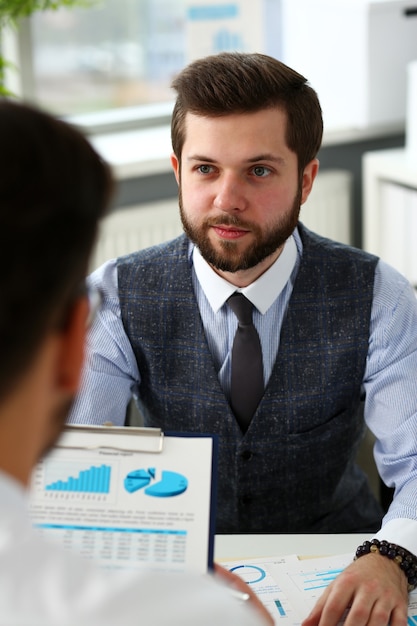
[54, 188]
[235, 82]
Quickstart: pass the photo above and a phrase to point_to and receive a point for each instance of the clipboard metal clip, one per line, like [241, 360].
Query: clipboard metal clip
[151, 439]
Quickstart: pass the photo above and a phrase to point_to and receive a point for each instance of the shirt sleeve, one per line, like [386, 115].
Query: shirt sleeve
[180, 599]
[110, 375]
[391, 399]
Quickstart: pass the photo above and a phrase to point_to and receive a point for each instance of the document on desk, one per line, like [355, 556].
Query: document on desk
[129, 497]
[259, 575]
[289, 586]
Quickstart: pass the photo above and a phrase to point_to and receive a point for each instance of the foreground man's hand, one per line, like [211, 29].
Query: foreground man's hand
[373, 588]
[233, 581]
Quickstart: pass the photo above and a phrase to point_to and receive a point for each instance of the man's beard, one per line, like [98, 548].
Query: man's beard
[229, 258]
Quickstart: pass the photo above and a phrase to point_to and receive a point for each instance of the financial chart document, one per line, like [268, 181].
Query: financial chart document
[128, 500]
[289, 586]
[259, 575]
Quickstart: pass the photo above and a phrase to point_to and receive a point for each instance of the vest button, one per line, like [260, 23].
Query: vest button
[246, 455]
[245, 500]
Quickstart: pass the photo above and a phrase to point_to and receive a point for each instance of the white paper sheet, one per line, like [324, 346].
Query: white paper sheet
[126, 508]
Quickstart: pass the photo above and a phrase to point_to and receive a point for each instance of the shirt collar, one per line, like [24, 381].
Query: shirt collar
[262, 293]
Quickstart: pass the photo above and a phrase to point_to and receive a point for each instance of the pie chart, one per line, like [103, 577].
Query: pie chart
[138, 479]
[250, 573]
[170, 484]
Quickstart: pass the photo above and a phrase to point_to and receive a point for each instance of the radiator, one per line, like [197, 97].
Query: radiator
[136, 227]
[327, 212]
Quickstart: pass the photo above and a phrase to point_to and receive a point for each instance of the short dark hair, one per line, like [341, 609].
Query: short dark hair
[233, 82]
[54, 188]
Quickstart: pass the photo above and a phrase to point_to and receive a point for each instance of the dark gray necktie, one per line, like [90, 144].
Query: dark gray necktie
[247, 382]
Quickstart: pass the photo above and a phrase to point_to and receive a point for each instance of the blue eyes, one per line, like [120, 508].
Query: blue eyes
[260, 171]
[205, 169]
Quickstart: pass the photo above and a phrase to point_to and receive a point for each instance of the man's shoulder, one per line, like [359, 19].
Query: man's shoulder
[316, 244]
[154, 269]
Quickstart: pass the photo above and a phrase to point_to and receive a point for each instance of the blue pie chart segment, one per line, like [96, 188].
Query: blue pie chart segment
[171, 484]
[251, 574]
[138, 479]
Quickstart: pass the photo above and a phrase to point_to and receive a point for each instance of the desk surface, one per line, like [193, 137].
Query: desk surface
[228, 547]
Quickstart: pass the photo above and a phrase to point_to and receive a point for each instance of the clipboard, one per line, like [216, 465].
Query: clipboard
[129, 498]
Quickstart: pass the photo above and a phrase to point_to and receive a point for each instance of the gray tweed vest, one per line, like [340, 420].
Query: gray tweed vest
[294, 470]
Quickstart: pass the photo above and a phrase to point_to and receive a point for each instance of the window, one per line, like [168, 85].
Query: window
[110, 65]
[114, 54]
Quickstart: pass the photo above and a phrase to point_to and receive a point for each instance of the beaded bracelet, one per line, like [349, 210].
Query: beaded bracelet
[404, 558]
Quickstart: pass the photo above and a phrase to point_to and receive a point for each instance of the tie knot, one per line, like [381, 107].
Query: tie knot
[241, 307]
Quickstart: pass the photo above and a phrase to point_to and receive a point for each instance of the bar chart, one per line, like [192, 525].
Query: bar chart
[309, 581]
[95, 479]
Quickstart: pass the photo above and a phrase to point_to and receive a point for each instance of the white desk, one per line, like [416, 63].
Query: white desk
[228, 547]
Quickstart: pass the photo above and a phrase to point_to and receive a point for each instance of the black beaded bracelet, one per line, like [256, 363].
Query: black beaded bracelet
[404, 558]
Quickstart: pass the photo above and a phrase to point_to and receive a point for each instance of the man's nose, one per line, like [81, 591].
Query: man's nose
[230, 194]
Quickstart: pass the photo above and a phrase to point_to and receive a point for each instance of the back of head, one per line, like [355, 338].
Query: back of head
[54, 188]
[228, 83]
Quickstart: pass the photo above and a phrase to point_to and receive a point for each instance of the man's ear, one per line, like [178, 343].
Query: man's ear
[309, 174]
[175, 166]
[71, 355]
